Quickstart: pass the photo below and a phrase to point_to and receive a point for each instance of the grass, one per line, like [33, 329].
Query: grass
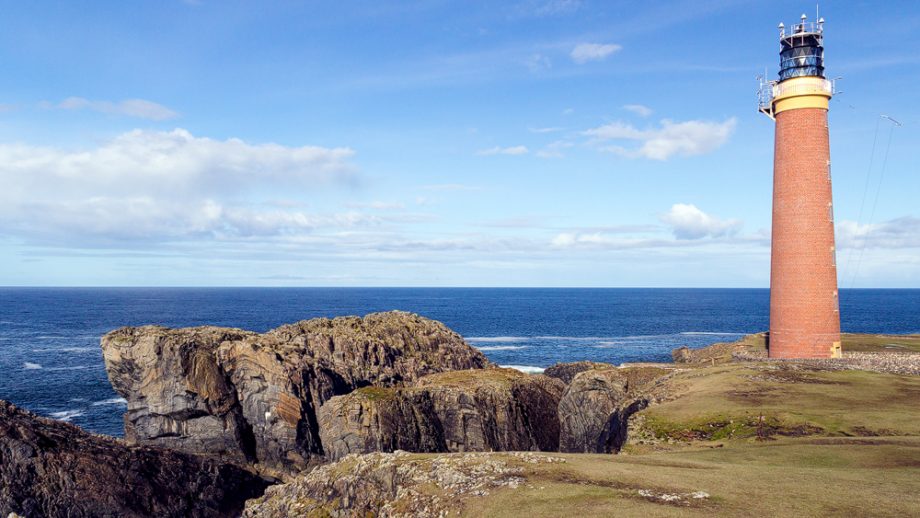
[830, 443]
[758, 439]
[838, 402]
[880, 343]
[498, 377]
[789, 477]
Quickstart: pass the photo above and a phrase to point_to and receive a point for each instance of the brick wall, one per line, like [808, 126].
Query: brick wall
[804, 313]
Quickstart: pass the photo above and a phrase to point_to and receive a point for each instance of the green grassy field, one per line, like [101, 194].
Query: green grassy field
[787, 477]
[758, 439]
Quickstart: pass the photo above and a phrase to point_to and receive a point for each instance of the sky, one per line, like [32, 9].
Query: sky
[434, 143]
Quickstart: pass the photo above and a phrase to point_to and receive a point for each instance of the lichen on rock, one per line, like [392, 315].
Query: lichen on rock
[484, 410]
[253, 397]
[52, 468]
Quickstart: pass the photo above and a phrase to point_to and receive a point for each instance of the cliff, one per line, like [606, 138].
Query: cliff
[51, 468]
[253, 398]
[486, 410]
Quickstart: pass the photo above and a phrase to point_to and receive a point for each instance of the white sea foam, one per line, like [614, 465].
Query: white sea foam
[72, 368]
[113, 401]
[66, 350]
[502, 347]
[67, 415]
[529, 369]
[708, 333]
[31, 366]
[568, 338]
[497, 339]
[609, 345]
[644, 337]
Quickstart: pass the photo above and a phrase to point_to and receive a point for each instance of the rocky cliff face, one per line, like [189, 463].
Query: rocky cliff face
[596, 406]
[485, 410]
[50, 468]
[254, 397]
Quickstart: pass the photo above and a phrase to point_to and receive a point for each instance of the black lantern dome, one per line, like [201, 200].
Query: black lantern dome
[802, 50]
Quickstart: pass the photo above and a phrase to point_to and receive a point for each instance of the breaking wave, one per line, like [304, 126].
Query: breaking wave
[497, 339]
[113, 401]
[529, 369]
[67, 415]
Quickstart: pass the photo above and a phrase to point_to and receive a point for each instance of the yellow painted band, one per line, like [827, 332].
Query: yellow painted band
[801, 92]
[801, 101]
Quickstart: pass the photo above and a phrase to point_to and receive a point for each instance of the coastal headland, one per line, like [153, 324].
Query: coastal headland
[395, 415]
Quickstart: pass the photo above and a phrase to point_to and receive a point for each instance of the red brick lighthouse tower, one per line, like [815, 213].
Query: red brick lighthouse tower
[804, 312]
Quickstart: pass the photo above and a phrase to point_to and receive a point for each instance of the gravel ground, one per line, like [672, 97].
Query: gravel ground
[893, 363]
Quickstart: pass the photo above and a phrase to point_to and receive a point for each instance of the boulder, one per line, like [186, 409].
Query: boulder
[484, 410]
[253, 397]
[52, 468]
[567, 371]
[596, 406]
[589, 417]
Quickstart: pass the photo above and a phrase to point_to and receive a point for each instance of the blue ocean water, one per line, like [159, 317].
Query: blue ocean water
[50, 361]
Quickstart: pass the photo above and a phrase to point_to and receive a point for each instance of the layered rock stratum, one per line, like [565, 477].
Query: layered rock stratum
[52, 468]
[484, 410]
[253, 398]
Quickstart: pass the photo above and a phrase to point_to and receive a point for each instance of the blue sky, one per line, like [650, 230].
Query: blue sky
[520, 143]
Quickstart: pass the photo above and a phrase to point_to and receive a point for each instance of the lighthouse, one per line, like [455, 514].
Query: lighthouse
[804, 308]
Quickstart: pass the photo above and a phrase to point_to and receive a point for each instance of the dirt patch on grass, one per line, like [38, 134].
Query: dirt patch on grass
[790, 374]
[754, 397]
[862, 431]
[664, 496]
[760, 427]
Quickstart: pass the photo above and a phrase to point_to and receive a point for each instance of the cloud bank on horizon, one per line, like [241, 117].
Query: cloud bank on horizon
[537, 145]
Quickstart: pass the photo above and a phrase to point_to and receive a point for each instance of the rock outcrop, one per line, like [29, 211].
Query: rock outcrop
[253, 397]
[51, 468]
[567, 371]
[396, 485]
[596, 406]
[485, 410]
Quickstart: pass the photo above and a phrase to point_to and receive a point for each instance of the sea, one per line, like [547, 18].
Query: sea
[51, 363]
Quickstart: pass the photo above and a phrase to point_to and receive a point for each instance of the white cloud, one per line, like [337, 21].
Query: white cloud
[689, 222]
[616, 131]
[174, 162]
[377, 205]
[695, 137]
[162, 185]
[555, 7]
[638, 109]
[130, 107]
[451, 187]
[585, 52]
[903, 232]
[538, 62]
[497, 150]
[552, 129]
[554, 149]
